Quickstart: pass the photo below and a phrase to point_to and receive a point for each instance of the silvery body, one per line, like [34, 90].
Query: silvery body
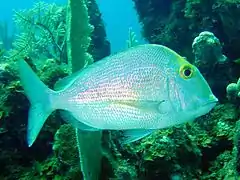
[144, 88]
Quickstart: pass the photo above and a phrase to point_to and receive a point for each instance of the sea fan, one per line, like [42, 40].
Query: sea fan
[42, 32]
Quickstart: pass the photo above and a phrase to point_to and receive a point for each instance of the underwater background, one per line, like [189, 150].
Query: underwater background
[206, 32]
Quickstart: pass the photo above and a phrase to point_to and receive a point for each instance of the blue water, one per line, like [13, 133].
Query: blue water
[6, 8]
[118, 17]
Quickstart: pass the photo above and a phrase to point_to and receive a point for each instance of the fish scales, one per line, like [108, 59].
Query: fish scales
[139, 90]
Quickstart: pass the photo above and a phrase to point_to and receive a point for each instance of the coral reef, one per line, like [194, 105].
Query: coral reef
[214, 65]
[63, 164]
[190, 151]
[99, 46]
[173, 23]
[213, 139]
[42, 33]
[205, 149]
[15, 156]
[44, 23]
[207, 50]
[233, 91]
[176, 23]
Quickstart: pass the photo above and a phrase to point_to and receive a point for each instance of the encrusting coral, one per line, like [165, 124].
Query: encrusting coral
[207, 50]
[205, 149]
[233, 91]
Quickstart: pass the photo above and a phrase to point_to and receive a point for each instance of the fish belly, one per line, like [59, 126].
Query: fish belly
[114, 116]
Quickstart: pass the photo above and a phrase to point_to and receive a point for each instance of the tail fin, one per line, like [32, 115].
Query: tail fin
[40, 97]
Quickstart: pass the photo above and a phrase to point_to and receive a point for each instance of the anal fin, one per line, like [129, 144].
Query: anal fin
[133, 135]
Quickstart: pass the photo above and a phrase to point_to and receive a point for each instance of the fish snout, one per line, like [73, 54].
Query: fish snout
[207, 105]
[212, 99]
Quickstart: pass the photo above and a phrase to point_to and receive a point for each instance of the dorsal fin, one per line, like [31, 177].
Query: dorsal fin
[66, 81]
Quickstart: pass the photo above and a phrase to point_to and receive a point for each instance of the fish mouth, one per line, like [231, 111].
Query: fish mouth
[212, 100]
[206, 107]
[210, 103]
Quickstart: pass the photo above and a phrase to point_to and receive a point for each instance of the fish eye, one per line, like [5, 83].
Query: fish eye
[186, 71]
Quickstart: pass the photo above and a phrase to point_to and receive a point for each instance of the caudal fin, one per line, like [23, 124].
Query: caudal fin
[40, 97]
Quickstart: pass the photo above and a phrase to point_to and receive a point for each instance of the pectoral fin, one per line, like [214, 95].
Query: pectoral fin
[133, 135]
[148, 105]
[66, 81]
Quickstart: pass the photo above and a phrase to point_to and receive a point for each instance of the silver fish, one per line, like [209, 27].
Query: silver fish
[144, 88]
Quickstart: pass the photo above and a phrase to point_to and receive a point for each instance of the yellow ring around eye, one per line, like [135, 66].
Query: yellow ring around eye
[186, 71]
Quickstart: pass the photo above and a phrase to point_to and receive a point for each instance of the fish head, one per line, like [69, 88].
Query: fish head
[189, 92]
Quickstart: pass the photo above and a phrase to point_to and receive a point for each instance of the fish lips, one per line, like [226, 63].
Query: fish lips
[206, 108]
